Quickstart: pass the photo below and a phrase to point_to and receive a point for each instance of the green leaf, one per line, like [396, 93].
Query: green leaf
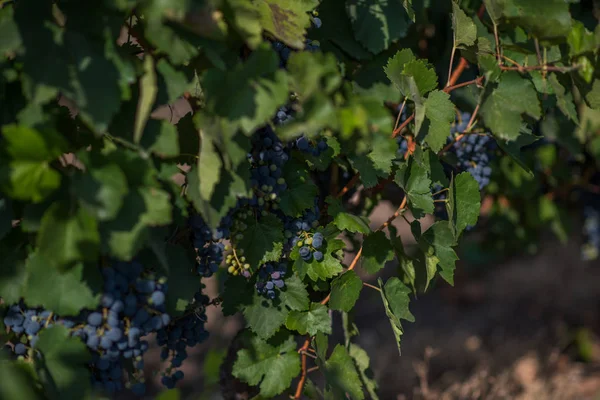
[182, 275]
[64, 294]
[315, 319]
[208, 160]
[465, 31]
[13, 272]
[345, 291]
[395, 296]
[15, 376]
[346, 221]
[412, 77]
[503, 107]
[526, 13]
[67, 236]
[324, 269]
[580, 40]
[273, 366]
[160, 138]
[377, 23]
[416, 184]
[294, 294]
[341, 376]
[301, 191]
[171, 83]
[438, 241]
[264, 317]
[313, 72]
[62, 368]
[142, 208]
[564, 99]
[101, 189]
[378, 162]
[362, 361]
[464, 203]
[6, 216]
[249, 93]
[286, 19]
[25, 172]
[377, 250]
[262, 241]
[237, 294]
[148, 92]
[513, 149]
[439, 111]
[171, 394]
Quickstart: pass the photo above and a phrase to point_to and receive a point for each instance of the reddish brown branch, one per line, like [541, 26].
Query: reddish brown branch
[348, 186]
[302, 380]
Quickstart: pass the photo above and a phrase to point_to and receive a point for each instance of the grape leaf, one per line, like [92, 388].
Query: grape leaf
[101, 189]
[513, 148]
[324, 269]
[13, 273]
[6, 216]
[345, 291]
[286, 19]
[171, 83]
[249, 93]
[208, 160]
[465, 31]
[526, 13]
[64, 294]
[271, 366]
[414, 180]
[395, 300]
[564, 99]
[315, 319]
[301, 191]
[395, 67]
[182, 275]
[503, 107]
[25, 172]
[264, 317]
[313, 72]
[294, 294]
[377, 23]
[439, 111]
[362, 361]
[341, 376]
[142, 208]
[15, 375]
[377, 250]
[66, 236]
[464, 203]
[346, 221]
[262, 241]
[438, 241]
[237, 294]
[147, 97]
[62, 368]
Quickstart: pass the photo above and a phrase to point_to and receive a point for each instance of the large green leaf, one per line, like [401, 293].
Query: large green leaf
[465, 31]
[344, 220]
[301, 191]
[413, 178]
[67, 236]
[377, 251]
[315, 319]
[439, 111]
[556, 19]
[262, 241]
[62, 367]
[248, 94]
[395, 300]
[464, 202]
[25, 172]
[64, 294]
[341, 376]
[504, 106]
[273, 366]
[294, 294]
[436, 242]
[345, 291]
[264, 317]
[377, 23]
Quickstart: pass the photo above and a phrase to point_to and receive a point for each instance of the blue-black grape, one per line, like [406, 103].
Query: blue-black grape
[591, 232]
[270, 277]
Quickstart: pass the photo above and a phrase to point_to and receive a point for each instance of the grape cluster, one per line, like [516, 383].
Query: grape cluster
[132, 306]
[297, 228]
[210, 252]
[266, 175]
[474, 152]
[270, 276]
[591, 230]
[306, 146]
[184, 332]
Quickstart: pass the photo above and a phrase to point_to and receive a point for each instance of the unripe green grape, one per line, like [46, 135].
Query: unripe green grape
[300, 243]
[308, 241]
